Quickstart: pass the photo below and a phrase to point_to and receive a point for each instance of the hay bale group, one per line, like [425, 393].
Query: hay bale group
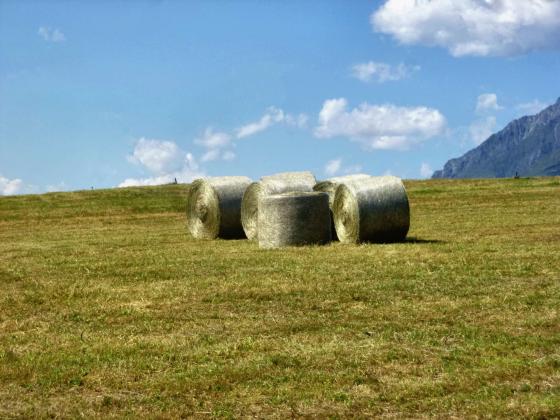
[293, 209]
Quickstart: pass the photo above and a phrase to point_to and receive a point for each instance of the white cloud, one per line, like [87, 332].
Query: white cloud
[213, 140]
[212, 154]
[472, 27]
[533, 107]
[51, 34]
[335, 167]
[382, 72]
[379, 126]
[158, 156]
[217, 154]
[299, 121]
[272, 116]
[141, 182]
[487, 102]
[228, 155]
[183, 176]
[61, 186]
[10, 186]
[481, 129]
[426, 170]
[219, 145]
[215, 143]
[165, 160]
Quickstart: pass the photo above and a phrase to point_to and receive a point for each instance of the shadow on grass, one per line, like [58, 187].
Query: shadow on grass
[415, 240]
[407, 240]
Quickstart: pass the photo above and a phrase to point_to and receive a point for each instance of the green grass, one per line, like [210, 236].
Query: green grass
[109, 308]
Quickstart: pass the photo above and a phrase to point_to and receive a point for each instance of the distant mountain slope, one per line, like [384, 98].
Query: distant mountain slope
[529, 146]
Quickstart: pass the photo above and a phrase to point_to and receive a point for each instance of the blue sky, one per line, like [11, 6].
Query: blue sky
[101, 94]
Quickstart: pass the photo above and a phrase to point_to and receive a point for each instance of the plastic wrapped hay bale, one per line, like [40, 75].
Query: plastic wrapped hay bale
[374, 210]
[214, 207]
[272, 184]
[294, 218]
[329, 186]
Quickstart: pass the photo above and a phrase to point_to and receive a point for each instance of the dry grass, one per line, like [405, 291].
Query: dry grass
[109, 309]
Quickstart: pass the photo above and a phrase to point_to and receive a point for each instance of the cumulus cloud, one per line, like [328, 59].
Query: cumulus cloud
[183, 176]
[212, 154]
[217, 154]
[61, 186]
[10, 186]
[220, 145]
[228, 155]
[51, 34]
[216, 144]
[426, 170]
[158, 156]
[472, 27]
[379, 126]
[272, 116]
[382, 72]
[481, 129]
[532, 108]
[299, 121]
[213, 140]
[487, 102]
[335, 167]
[165, 161]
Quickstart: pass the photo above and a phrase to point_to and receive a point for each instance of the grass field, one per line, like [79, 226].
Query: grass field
[109, 308]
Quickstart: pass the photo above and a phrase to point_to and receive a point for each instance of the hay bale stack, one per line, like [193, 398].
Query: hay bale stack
[293, 219]
[214, 207]
[268, 185]
[373, 210]
[329, 186]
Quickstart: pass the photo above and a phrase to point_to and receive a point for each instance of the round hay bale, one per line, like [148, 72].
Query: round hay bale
[296, 181]
[329, 186]
[249, 209]
[214, 207]
[271, 184]
[375, 209]
[294, 218]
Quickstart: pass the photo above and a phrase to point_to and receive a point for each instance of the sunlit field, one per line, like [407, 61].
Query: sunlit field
[109, 308]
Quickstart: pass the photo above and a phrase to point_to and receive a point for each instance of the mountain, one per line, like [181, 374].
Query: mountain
[528, 146]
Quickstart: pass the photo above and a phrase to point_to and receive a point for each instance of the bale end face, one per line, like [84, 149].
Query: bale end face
[329, 186]
[249, 210]
[214, 207]
[203, 215]
[346, 215]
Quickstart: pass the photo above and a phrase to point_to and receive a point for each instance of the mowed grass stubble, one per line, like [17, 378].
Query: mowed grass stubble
[109, 308]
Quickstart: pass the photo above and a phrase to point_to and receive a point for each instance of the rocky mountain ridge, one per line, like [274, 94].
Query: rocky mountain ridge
[528, 146]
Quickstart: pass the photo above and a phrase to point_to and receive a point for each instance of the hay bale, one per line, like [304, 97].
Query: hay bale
[271, 184]
[375, 209]
[293, 218]
[329, 186]
[214, 207]
[297, 181]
